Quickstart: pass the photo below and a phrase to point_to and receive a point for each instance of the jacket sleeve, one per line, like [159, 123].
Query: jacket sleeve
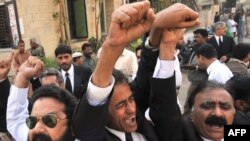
[88, 121]
[141, 83]
[164, 110]
[5, 89]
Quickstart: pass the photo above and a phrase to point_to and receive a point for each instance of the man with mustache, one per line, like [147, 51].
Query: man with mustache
[210, 103]
[75, 77]
[212, 108]
[51, 106]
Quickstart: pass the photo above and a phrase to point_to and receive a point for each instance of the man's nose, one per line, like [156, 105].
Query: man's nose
[130, 107]
[218, 112]
[39, 128]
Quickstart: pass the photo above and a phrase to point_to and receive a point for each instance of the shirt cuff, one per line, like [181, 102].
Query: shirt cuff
[150, 47]
[96, 95]
[164, 69]
[2, 80]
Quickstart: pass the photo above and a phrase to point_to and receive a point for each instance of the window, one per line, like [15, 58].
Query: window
[131, 1]
[103, 17]
[77, 19]
[9, 27]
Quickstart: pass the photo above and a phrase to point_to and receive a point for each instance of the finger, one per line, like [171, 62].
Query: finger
[120, 17]
[147, 24]
[142, 8]
[189, 24]
[1, 63]
[29, 61]
[190, 15]
[132, 16]
[39, 66]
[9, 59]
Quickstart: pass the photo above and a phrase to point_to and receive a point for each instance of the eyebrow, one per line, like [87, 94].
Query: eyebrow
[221, 103]
[124, 101]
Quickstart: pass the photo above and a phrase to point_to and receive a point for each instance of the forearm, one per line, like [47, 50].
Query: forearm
[155, 36]
[21, 81]
[167, 51]
[105, 65]
[17, 112]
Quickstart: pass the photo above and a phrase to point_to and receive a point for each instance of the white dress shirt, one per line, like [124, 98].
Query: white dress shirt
[218, 39]
[205, 139]
[17, 112]
[219, 72]
[98, 96]
[127, 63]
[71, 76]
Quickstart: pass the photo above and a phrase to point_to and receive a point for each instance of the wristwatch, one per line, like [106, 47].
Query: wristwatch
[197, 67]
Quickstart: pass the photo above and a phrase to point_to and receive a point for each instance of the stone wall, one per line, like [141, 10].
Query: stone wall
[37, 21]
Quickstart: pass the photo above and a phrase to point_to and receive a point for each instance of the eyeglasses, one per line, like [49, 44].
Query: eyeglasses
[49, 120]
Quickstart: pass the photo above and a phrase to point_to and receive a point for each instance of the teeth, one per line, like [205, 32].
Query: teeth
[216, 126]
[132, 118]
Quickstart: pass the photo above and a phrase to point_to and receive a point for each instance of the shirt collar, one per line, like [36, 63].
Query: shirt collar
[70, 71]
[217, 38]
[205, 139]
[119, 134]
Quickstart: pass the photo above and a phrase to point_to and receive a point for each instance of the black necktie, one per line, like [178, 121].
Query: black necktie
[68, 83]
[220, 42]
[128, 137]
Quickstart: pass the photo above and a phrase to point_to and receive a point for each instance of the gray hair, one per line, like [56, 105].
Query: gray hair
[52, 72]
[34, 40]
[219, 24]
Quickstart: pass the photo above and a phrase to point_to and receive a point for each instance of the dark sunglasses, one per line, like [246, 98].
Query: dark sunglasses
[49, 120]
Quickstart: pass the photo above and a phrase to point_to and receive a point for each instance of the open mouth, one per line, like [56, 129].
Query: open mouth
[132, 118]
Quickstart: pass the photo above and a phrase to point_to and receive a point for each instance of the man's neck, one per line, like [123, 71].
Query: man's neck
[210, 61]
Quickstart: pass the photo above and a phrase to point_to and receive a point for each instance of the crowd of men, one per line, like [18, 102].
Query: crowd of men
[103, 104]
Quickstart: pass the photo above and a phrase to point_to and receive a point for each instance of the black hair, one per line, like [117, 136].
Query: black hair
[52, 91]
[239, 87]
[52, 72]
[119, 77]
[202, 32]
[63, 49]
[241, 51]
[20, 41]
[203, 87]
[207, 50]
[86, 45]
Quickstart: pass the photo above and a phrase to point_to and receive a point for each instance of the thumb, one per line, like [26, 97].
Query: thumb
[10, 58]
[150, 17]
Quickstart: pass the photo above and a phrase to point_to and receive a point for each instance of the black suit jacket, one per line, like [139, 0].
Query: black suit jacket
[89, 122]
[171, 126]
[81, 78]
[227, 46]
[5, 89]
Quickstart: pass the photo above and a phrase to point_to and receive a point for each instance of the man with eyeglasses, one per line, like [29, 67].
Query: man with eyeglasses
[51, 106]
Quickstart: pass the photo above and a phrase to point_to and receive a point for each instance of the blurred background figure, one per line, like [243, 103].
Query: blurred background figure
[20, 55]
[89, 61]
[36, 49]
[77, 59]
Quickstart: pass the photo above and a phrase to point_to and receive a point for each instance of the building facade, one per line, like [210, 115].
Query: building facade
[54, 21]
